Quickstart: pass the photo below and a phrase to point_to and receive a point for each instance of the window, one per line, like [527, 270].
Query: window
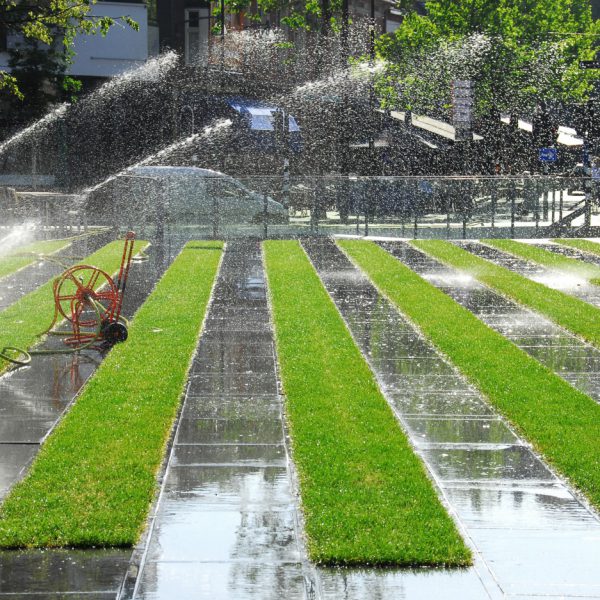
[196, 35]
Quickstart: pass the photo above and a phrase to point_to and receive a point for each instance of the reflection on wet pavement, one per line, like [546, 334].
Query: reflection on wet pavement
[226, 523]
[33, 400]
[564, 353]
[567, 281]
[520, 518]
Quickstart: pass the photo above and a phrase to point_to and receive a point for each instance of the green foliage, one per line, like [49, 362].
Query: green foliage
[49, 23]
[516, 51]
[560, 421]
[94, 478]
[40, 73]
[365, 495]
[26, 255]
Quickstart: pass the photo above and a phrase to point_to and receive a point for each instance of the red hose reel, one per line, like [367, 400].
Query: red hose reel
[91, 301]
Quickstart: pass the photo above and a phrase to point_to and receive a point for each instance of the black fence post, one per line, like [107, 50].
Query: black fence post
[513, 193]
[265, 216]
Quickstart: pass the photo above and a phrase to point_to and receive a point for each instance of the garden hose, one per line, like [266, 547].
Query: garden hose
[24, 356]
[21, 357]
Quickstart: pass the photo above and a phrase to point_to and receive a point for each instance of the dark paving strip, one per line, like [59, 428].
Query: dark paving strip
[32, 401]
[26, 280]
[569, 252]
[564, 353]
[525, 524]
[226, 524]
[559, 279]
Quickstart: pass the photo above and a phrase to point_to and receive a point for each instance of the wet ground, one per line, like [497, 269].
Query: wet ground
[33, 399]
[564, 353]
[575, 284]
[227, 522]
[226, 525]
[523, 522]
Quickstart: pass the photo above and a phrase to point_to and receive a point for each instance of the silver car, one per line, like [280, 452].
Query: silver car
[182, 195]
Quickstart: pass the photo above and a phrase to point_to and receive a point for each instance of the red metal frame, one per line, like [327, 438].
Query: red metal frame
[89, 311]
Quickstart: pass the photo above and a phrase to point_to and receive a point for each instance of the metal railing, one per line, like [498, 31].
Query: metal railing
[223, 206]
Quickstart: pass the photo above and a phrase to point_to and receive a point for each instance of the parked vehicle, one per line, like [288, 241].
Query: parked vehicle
[181, 195]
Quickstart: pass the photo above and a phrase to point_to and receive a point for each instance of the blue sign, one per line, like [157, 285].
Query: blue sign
[548, 154]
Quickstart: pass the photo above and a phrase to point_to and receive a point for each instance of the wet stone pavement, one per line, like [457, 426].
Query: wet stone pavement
[531, 535]
[226, 524]
[564, 353]
[33, 399]
[574, 284]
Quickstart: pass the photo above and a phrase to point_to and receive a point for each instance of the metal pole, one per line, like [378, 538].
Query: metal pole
[494, 201]
[222, 21]
[265, 216]
[512, 192]
[588, 209]
[344, 41]
[537, 207]
[560, 204]
[372, 31]
[215, 217]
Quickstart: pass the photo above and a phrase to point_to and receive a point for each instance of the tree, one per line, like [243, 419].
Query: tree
[50, 22]
[516, 52]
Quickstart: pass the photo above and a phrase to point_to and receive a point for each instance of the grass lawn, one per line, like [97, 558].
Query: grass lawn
[560, 421]
[571, 313]
[22, 322]
[545, 257]
[365, 495]
[18, 258]
[94, 478]
[580, 244]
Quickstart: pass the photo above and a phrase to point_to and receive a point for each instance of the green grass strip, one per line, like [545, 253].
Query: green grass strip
[580, 244]
[366, 496]
[22, 322]
[545, 257]
[571, 313]
[18, 258]
[560, 421]
[94, 479]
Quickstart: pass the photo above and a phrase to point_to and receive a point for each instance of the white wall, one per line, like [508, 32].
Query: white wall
[121, 49]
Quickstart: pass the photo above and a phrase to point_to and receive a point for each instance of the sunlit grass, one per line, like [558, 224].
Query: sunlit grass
[94, 479]
[22, 323]
[21, 257]
[567, 311]
[546, 258]
[365, 495]
[560, 421]
[580, 244]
